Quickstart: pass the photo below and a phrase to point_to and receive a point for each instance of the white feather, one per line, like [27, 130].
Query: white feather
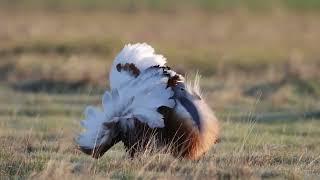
[107, 102]
[93, 125]
[141, 55]
[144, 115]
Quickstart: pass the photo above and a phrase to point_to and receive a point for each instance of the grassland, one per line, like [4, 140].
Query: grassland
[260, 66]
[37, 132]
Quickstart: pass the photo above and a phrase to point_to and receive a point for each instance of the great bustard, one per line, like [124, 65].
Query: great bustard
[147, 95]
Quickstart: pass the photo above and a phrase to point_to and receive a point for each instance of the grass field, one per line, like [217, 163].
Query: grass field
[37, 131]
[260, 66]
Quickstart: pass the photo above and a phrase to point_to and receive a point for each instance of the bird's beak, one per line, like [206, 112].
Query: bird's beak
[190, 104]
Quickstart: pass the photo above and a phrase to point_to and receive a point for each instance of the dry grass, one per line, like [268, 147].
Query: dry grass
[38, 143]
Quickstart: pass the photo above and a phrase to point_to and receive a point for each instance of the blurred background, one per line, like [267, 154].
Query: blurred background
[259, 61]
[244, 49]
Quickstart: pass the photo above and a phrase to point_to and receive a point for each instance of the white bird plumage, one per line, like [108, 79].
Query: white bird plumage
[140, 97]
[140, 84]
[141, 55]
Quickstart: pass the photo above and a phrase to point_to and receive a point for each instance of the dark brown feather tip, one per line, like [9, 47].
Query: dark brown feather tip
[131, 68]
[173, 81]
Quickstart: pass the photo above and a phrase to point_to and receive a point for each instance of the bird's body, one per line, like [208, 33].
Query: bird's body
[148, 101]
